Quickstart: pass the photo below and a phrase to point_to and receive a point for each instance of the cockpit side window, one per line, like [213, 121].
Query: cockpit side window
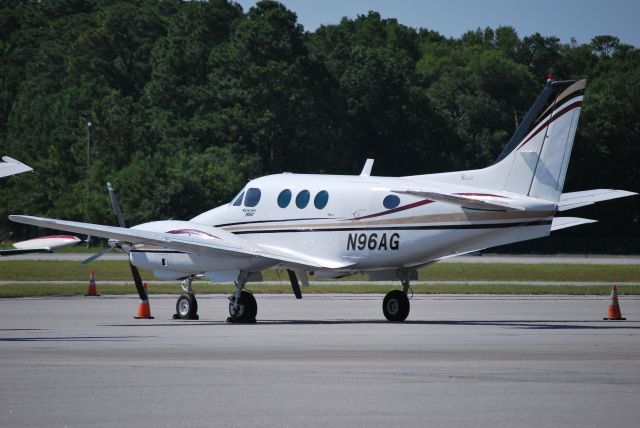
[253, 197]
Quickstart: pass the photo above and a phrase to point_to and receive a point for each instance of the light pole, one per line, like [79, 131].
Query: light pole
[89, 133]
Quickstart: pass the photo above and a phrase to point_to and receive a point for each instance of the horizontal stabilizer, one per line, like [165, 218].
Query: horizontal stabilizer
[573, 200]
[564, 222]
[473, 201]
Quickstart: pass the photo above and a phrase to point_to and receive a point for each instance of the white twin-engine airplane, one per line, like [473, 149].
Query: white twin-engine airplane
[333, 225]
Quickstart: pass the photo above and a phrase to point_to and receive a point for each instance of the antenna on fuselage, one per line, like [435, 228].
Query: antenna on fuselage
[366, 170]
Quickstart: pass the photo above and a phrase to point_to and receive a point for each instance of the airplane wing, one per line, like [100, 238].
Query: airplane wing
[467, 200]
[228, 244]
[43, 244]
[573, 200]
[10, 166]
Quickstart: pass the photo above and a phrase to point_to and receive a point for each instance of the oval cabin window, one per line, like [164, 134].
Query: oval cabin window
[391, 201]
[321, 199]
[284, 198]
[302, 200]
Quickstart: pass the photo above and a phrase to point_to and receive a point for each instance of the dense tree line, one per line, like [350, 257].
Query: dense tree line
[188, 100]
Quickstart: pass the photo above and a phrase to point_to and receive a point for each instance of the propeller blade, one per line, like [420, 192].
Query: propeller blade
[116, 205]
[294, 284]
[96, 256]
[137, 279]
[303, 277]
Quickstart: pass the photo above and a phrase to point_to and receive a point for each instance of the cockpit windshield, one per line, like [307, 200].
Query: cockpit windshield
[237, 200]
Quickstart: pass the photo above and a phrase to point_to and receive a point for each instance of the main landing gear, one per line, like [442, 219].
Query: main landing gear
[187, 305]
[243, 307]
[395, 305]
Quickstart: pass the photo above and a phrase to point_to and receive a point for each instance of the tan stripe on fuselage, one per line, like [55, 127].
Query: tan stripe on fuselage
[433, 219]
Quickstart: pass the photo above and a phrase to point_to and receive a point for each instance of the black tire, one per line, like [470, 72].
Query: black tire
[395, 306]
[247, 310]
[187, 307]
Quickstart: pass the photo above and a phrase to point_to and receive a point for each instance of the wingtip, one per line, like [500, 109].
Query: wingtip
[17, 218]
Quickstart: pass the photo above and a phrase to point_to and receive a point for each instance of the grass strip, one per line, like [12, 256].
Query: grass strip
[61, 270]
[67, 270]
[44, 289]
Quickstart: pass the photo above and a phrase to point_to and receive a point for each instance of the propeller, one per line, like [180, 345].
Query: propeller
[113, 244]
[137, 279]
[115, 205]
[96, 256]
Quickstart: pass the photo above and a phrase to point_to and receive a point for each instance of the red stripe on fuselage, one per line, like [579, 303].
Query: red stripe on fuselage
[192, 232]
[395, 210]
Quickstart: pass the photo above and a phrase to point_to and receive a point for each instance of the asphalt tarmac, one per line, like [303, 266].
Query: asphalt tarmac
[328, 360]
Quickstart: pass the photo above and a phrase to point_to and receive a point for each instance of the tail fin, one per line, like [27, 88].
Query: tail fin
[535, 160]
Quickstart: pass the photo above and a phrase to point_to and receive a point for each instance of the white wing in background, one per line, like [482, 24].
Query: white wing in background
[10, 166]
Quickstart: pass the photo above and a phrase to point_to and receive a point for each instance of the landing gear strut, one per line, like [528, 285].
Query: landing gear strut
[243, 307]
[187, 305]
[395, 305]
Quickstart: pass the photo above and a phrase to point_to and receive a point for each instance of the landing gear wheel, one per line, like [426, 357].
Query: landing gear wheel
[247, 308]
[395, 306]
[186, 307]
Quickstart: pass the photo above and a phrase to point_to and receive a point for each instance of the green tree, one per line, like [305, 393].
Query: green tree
[271, 96]
[188, 100]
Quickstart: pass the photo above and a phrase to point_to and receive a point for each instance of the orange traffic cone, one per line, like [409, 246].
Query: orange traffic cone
[614, 308]
[92, 285]
[144, 310]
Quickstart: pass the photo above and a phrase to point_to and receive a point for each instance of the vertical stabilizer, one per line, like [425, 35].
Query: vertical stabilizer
[559, 129]
[535, 160]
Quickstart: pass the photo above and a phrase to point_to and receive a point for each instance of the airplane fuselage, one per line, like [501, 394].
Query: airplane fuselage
[359, 219]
